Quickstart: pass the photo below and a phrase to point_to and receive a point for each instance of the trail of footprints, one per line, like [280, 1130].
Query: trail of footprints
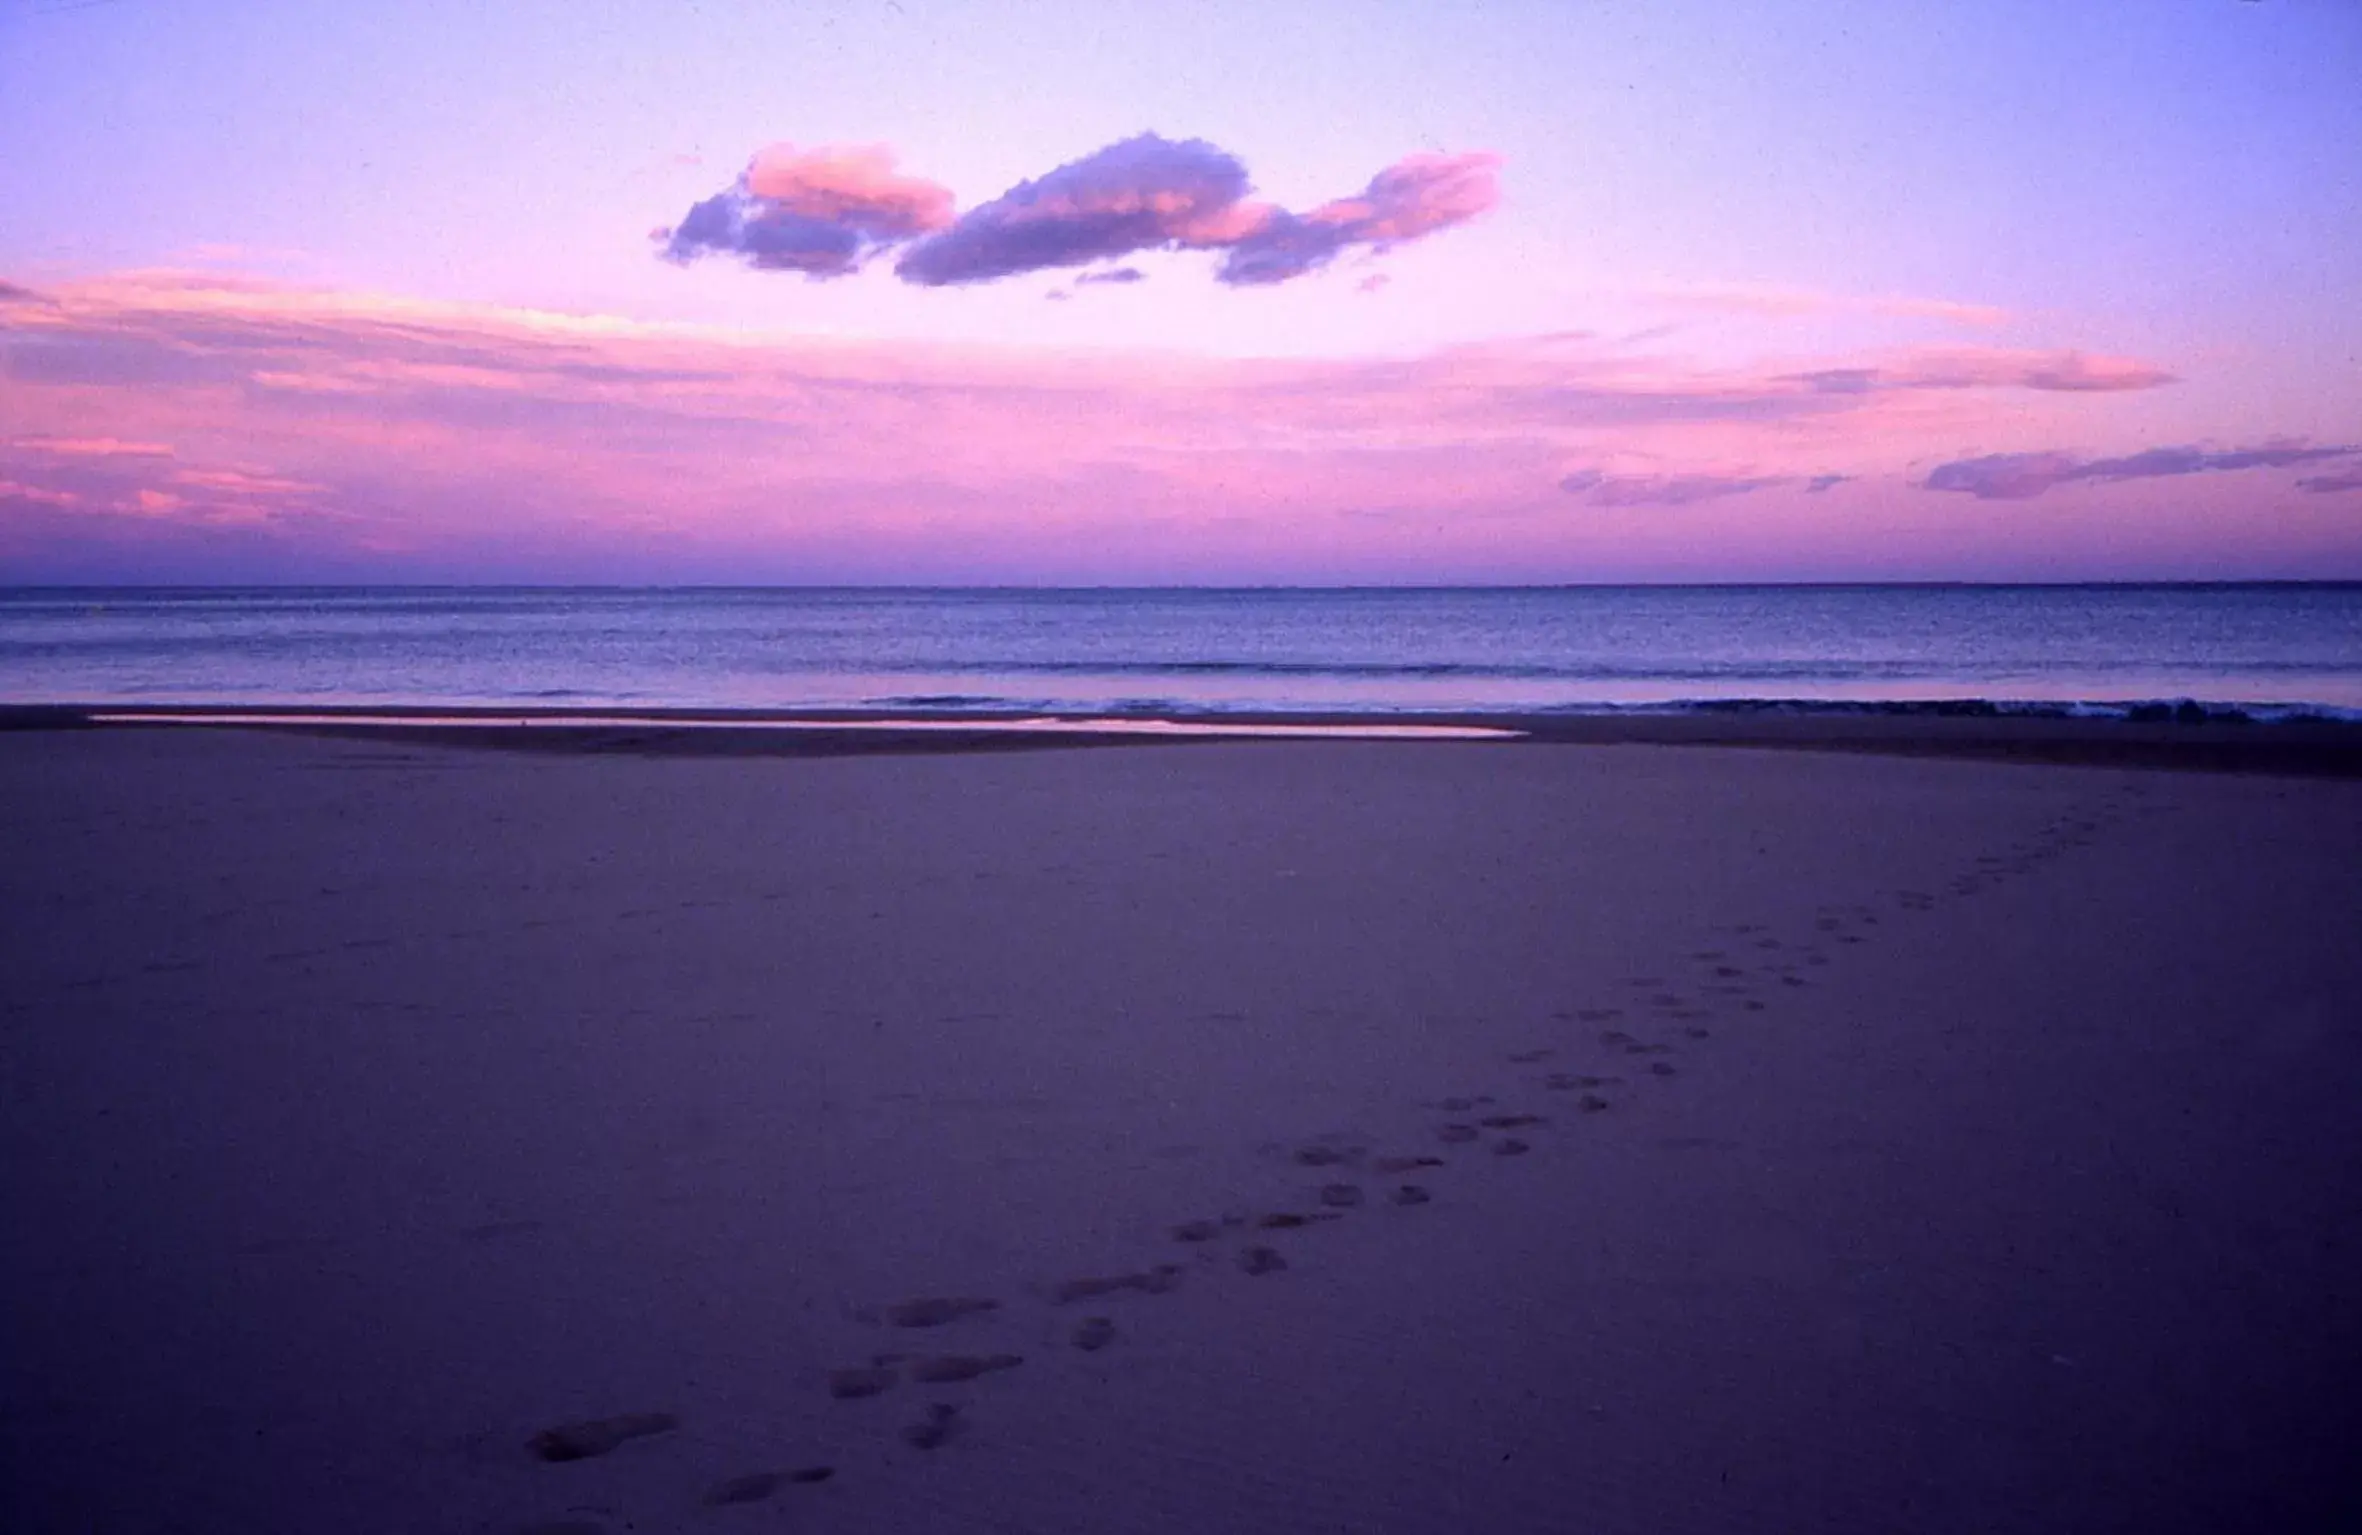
[1749, 969]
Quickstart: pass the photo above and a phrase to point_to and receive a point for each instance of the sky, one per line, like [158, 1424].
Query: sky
[1093, 293]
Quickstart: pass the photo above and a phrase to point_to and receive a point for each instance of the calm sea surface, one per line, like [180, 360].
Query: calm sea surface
[1580, 648]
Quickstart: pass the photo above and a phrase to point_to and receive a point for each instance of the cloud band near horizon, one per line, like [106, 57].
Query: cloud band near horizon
[226, 429]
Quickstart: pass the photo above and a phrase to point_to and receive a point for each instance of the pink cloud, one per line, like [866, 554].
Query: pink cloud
[1991, 367]
[1409, 199]
[42, 495]
[91, 447]
[821, 212]
[848, 183]
[244, 483]
[1417, 195]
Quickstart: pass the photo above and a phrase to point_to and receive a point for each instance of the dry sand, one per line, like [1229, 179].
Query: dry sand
[401, 1137]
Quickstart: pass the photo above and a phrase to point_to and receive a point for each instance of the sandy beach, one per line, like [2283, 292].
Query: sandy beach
[1619, 1136]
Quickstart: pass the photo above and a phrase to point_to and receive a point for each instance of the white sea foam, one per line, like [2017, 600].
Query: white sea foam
[1354, 730]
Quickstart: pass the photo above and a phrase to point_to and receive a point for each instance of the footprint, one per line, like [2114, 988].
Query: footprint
[1155, 1281]
[1661, 1068]
[1197, 1231]
[1286, 1220]
[1591, 1103]
[1463, 1105]
[1321, 1156]
[1406, 1164]
[1567, 1081]
[756, 1486]
[1510, 1146]
[852, 1385]
[596, 1436]
[936, 1311]
[1512, 1121]
[935, 1429]
[1696, 1033]
[1410, 1194]
[1456, 1135]
[1093, 1333]
[1341, 1196]
[491, 1231]
[1752, 1005]
[948, 1369]
[1261, 1260]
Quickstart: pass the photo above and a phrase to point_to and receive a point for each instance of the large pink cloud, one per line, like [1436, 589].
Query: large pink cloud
[824, 212]
[161, 423]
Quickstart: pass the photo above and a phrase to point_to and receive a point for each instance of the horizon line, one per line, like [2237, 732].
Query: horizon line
[2115, 583]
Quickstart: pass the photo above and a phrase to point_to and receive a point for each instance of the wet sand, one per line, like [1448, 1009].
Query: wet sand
[1275, 1134]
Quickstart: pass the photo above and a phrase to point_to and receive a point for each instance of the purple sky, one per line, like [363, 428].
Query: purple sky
[915, 292]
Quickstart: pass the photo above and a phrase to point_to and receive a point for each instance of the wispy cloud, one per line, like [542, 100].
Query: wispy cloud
[2070, 372]
[2021, 476]
[1770, 301]
[2326, 484]
[90, 447]
[36, 495]
[1600, 488]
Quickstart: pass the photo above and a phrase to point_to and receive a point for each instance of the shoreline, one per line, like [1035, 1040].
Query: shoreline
[2308, 747]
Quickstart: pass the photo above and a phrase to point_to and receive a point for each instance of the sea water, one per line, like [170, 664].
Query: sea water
[2262, 649]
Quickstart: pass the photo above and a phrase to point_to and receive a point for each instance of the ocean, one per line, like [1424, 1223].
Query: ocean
[2262, 650]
